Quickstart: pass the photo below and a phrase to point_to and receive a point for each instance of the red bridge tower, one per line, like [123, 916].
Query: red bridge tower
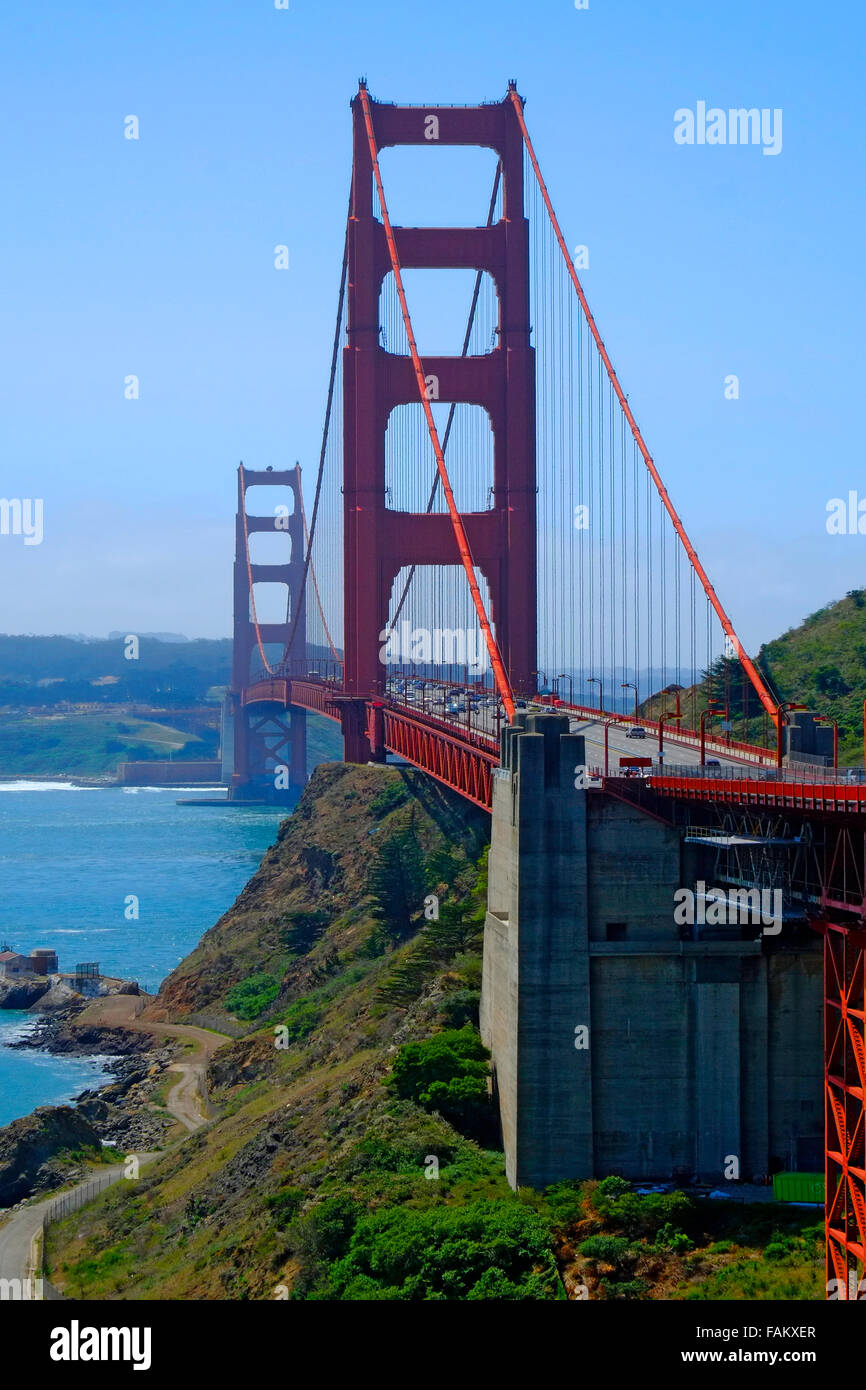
[379, 541]
[270, 736]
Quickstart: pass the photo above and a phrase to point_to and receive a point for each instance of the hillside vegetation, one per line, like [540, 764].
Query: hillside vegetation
[91, 745]
[820, 664]
[354, 1152]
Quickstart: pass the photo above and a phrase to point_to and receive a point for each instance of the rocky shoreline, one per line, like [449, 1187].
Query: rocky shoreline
[122, 1112]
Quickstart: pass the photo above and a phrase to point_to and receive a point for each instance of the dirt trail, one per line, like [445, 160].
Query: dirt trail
[187, 1100]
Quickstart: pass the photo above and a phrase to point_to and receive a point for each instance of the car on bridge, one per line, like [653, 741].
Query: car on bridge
[636, 732]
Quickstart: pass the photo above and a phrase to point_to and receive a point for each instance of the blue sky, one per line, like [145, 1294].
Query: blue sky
[155, 257]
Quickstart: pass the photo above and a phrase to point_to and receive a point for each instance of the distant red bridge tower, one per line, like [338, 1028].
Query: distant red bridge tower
[269, 737]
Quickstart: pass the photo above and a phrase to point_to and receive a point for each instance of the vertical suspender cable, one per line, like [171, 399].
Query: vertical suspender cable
[763, 693]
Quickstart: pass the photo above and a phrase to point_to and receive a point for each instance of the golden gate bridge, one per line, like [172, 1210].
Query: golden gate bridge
[506, 494]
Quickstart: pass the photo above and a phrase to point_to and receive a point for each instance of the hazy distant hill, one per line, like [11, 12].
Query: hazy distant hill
[34, 659]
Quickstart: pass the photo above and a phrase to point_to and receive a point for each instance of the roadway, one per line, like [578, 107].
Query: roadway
[488, 722]
[20, 1256]
[676, 754]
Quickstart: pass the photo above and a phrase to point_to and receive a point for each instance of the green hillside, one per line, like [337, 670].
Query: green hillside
[820, 664]
[91, 745]
[353, 1151]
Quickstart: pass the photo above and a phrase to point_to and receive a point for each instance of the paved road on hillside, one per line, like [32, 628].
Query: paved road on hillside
[17, 1236]
[186, 1101]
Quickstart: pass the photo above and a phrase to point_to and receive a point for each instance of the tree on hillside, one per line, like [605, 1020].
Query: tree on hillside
[830, 681]
[397, 882]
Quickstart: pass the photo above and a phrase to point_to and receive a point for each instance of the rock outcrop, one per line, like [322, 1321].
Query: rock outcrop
[27, 1145]
[23, 994]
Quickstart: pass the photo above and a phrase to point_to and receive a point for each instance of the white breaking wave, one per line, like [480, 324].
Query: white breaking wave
[13, 1032]
[80, 931]
[24, 786]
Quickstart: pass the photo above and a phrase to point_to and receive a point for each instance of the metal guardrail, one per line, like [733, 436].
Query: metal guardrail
[65, 1205]
[841, 776]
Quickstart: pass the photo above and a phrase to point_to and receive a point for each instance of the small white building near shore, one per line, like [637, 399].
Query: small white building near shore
[13, 966]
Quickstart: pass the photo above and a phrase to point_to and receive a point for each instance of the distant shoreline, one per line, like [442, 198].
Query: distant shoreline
[69, 778]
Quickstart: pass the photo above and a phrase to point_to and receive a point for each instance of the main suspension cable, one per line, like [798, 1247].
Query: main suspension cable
[310, 536]
[754, 675]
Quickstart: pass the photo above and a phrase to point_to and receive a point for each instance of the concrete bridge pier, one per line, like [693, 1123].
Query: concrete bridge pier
[623, 1041]
[535, 1003]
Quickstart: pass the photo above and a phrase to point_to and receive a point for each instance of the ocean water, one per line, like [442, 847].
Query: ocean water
[28, 1079]
[77, 864]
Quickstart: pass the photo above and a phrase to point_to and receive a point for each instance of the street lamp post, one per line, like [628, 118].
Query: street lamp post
[668, 714]
[607, 728]
[709, 713]
[630, 685]
[563, 677]
[536, 674]
[596, 680]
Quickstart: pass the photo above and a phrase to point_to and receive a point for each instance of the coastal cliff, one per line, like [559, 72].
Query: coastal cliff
[352, 1151]
[28, 1146]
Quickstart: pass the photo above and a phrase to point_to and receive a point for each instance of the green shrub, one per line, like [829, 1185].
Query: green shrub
[252, 996]
[609, 1250]
[285, 1205]
[387, 800]
[669, 1238]
[300, 1019]
[631, 1288]
[778, 1249]
[469, 966]
[461, 1007]
[565, 1201]
[482, 1251]
[324, 1233]
[639, 1214]
[447, 1073]
[611, 1188]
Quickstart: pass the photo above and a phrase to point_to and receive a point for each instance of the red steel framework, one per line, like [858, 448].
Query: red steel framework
[268, 732]
[840, 889]
[380, 541]
[845, 1084]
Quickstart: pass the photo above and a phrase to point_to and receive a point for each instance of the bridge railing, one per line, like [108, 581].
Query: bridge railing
[747, 752]
[807, 772]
